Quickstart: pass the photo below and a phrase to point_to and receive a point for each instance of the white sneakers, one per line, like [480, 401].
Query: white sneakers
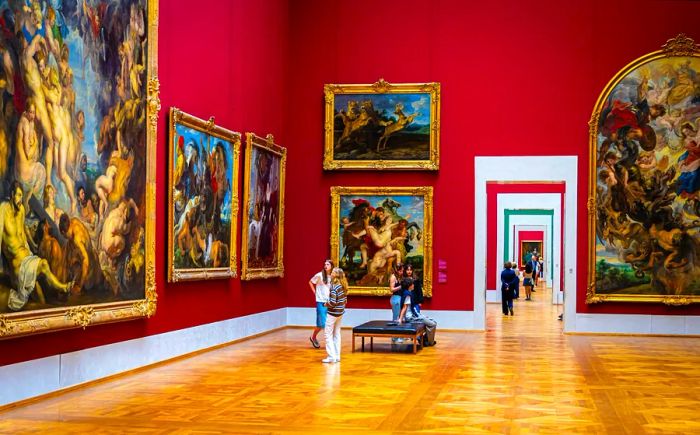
[328, 360]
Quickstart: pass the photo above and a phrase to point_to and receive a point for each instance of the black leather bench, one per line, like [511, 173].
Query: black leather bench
[388, 329]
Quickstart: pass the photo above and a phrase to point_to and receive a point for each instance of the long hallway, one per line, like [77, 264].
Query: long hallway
[523, 375]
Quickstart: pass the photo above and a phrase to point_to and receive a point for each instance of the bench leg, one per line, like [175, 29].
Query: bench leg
[363, 343]
[371, 344]
[414, 344]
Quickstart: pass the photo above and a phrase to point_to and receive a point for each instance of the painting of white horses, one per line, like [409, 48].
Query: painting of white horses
[263, 208]
[382, 126]
[377, 228]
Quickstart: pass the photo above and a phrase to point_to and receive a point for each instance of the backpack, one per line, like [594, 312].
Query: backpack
[417, 293]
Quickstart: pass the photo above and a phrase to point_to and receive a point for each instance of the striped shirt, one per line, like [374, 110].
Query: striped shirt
[337, 300]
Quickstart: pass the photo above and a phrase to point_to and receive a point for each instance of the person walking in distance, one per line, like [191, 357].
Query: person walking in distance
[321, 287]
[535, 269]
[336, 308]
[508, 283]
[528, 282]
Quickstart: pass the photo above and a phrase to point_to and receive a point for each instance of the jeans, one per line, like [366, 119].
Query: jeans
[321, 311]
[332, 332]
[395, 307]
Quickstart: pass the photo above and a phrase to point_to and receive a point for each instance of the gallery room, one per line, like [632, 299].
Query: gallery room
[314, 216]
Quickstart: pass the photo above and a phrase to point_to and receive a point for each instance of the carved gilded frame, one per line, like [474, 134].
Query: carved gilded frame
[46, 320]
[680, 46]
[425, 191]
[266, 144]
[234, 139]
[382, 87]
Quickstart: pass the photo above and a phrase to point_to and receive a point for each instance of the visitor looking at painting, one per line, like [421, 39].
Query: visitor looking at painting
[336, 308]
[509, 282]
[320, 285]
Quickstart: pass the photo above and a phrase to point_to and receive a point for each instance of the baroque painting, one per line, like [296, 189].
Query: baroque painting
[202, 198]
[382, 126]
[528, 248]
[644, 220]
[263, 209]
[79, 107]
[374, 228]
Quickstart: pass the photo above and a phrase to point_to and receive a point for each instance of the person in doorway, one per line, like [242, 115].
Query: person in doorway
[541, 270]
[321, 286]
[528, 282]
[508, 283]
[535, 268]
[514, 266]
[336, 308]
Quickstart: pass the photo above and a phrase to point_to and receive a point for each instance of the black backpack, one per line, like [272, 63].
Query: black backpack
[417, 293]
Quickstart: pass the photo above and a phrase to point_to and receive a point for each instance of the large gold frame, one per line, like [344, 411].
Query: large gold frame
[680, 46]
[267, 143]
[234, 138]
[382, 87]
[39, 321]
[426, 192]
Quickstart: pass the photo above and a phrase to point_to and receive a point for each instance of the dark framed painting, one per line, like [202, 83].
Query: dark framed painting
[77, 163]
[528, 248]
[202, 199]
[262, 238]
[374, 228]
[382, 126]
[644, 190]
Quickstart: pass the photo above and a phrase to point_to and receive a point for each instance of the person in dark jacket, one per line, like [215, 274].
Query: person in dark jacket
[509, 281]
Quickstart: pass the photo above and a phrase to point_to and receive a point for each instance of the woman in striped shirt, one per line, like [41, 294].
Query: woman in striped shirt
[336, 309]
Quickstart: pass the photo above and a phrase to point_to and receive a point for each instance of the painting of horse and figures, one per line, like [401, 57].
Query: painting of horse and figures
[382, 126]
[375, 228]
[263, 209]
[645, 181]
[202, 194]
[77, 170]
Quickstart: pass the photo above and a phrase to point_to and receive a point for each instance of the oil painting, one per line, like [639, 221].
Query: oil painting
[644, 188]
[263, 209]
[374, 228]
[79, 107]
[203, 198]
[382, 126]
[528, 248]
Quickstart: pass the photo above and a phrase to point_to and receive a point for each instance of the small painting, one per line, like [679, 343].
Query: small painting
[263, 208]
[374, 228]
[203, 198]
[382, 126]
[528, 248]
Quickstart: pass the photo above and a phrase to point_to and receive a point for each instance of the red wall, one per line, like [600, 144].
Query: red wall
[221, 58]
[518, 78]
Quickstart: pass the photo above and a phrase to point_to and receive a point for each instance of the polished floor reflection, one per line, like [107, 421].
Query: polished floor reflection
[521, 376]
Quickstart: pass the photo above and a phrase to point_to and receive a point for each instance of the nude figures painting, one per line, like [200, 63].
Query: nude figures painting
[79, 102]
[203, 199]
[645, 181]
[382, 126]
[374, 228]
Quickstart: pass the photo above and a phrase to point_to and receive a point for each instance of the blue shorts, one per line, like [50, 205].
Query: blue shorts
[321, 311]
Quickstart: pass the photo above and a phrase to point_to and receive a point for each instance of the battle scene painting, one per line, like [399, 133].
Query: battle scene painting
[646, 174]
[204, 185]
[377, 228]
[263, 214]
[74, 156]
[392, 125]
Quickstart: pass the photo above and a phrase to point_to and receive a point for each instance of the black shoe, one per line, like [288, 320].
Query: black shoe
[314, 342]
[511, 311]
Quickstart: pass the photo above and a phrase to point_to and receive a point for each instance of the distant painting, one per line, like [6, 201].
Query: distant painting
[645, 169]
[263, 224]
[203, 189]
[79, 105]
[529, 248]
[376, 228]
[382, 126]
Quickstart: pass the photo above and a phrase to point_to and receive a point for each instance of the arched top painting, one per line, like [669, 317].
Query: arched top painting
[77, 168]
[644, 186]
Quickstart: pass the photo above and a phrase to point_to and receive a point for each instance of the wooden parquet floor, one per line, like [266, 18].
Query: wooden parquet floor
[522, 376]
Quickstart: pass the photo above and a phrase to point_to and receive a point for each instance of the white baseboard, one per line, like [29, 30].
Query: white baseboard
[637, 324]
[448, 319]
[41, 376]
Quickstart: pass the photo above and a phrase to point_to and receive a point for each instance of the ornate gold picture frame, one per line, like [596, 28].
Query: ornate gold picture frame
[382, 126]
[373, 228]
[262, 238]
[95, 261]
[202, 199]
[644, 181]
